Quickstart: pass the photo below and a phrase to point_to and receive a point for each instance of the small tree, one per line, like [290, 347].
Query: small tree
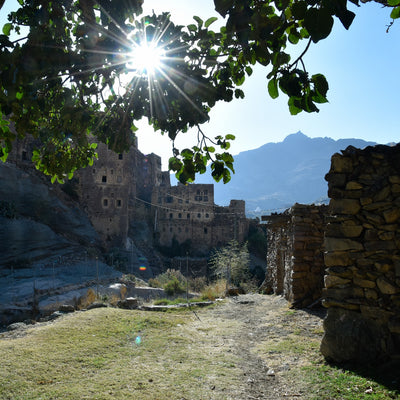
[232, 262]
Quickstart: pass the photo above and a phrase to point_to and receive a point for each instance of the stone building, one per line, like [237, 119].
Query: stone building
[187, 214]
[108, 190]
[295, 256]
[120, 189]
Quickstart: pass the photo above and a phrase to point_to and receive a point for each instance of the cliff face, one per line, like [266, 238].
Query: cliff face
[36, 223]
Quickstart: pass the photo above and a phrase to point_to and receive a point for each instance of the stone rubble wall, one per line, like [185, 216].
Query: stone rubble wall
[362, 256]
[295, 261]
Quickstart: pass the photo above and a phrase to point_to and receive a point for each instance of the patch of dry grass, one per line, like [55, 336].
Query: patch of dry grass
[96, 355]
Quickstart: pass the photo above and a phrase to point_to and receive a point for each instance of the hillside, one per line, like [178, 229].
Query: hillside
[277, 175]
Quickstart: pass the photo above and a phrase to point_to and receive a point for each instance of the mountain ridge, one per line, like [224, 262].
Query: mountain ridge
[274, 176]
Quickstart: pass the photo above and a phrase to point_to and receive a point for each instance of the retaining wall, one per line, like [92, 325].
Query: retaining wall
[362, 256]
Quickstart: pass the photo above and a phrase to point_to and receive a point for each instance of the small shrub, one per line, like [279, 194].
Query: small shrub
[85, 301]
[173, 287]
[123, 291]
[114, 299]
[171, 274]
[214, 291]
[154, 283]
[250, 286]
[129, 278]
[104, 298]
[197, 284]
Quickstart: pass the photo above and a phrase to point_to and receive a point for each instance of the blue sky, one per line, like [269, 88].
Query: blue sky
[361, 66]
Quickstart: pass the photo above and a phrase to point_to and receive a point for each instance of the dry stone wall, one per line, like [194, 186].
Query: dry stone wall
[362, 256]
[295, 260]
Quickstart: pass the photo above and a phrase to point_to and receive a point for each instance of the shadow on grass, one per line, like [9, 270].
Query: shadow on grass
[386, 373]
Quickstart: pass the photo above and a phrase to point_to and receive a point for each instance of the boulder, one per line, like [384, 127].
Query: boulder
[130, 303]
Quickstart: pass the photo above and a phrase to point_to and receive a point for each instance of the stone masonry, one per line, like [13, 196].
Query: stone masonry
[295, 261]
[120, 191]
[187, 213]
[362, 256]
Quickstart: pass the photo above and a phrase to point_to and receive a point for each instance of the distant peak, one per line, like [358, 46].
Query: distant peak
[298, 135]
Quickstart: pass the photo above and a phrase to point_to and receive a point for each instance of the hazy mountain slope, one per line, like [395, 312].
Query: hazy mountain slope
[276, 175]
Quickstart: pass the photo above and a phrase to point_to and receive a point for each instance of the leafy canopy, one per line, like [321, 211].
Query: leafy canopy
[67, 73]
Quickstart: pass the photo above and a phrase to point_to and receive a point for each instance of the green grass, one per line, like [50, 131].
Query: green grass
[334, 383]
[316, 379]
[179, 300]
[95, 355]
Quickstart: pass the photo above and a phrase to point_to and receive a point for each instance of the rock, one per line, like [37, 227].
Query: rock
[66, 308]
[364, 283]
[350, 337]
[270, 372]
[341, 164]
[391, 215]
[351, 230]
[16, 325]
[335, 244]
[54, 315]
[386, 287]
[352, 185]
[394, 326]
[345, 206]
[332, 281]
[96, 305]
[41, 213]
[130, 303]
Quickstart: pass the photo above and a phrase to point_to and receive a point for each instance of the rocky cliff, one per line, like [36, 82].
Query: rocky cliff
[37, 222]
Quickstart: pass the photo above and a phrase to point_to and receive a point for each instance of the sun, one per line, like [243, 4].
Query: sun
[146, 58]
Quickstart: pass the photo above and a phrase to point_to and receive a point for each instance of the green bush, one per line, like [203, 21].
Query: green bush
[169, 275]
[173, 287]
[154, 283]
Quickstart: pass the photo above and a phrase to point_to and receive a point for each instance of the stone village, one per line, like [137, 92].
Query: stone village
[120, 189]
[347, 253]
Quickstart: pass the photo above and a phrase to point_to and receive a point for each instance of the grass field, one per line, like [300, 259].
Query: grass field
[110, 353]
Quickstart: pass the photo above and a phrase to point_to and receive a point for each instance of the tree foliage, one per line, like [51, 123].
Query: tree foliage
[66, 73]
[231, 262]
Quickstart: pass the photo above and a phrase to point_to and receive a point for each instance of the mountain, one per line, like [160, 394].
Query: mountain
[276, 175]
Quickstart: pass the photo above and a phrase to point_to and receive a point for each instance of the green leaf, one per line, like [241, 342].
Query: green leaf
[249, 70]
[192, 27]
[320, 84]
[346, 17]
[209, 149]
[299, 9]
[319, 23]
[393, 3]
[223, 6]
[7, 28]
[198, 20]
[174, 164]
[210, 21]
[187, 153]
[395, 13]
[239, 94]
[229, 137]
[293, 108]
[273, 88]
[226, 176]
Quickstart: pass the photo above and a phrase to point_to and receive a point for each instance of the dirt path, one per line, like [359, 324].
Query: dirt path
[248, 347]
[255, 329]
